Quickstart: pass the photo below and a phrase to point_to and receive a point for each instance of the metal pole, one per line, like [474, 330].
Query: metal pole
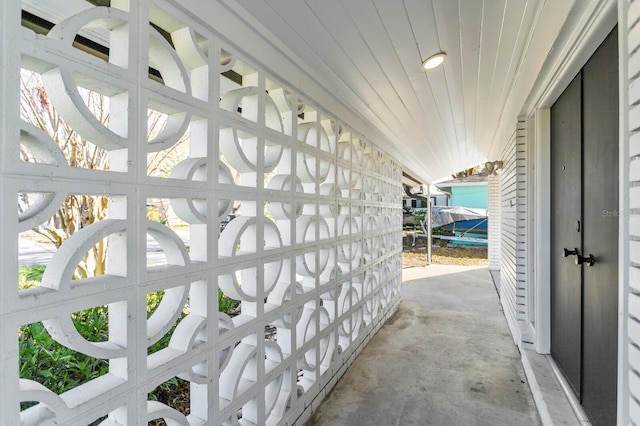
[429, 238]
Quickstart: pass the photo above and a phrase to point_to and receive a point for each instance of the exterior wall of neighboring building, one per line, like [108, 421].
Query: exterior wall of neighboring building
[414, 203]
[474, 196]
[436, 200]
[440, 200]
[315, 255]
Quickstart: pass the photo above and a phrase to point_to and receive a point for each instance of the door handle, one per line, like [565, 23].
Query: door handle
[567, 252]
[587, 260]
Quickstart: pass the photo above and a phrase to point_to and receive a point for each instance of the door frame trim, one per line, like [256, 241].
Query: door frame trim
[540, 245]
[566, 388]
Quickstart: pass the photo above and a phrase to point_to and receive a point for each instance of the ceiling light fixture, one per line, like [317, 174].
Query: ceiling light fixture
[433, 61]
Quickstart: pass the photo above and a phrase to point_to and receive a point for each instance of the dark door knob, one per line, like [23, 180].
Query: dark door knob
[567, 252]
[587, 260]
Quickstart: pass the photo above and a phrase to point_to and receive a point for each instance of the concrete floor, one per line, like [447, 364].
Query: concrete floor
[445, 358]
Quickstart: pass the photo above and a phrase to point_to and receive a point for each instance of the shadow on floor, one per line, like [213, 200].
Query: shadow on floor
[445, 358]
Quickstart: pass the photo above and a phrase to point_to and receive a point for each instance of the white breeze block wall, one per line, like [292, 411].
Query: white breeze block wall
[314, 255]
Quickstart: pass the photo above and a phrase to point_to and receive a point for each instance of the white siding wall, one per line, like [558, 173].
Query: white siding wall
[513, 230]
[629, 352]
[494, 222]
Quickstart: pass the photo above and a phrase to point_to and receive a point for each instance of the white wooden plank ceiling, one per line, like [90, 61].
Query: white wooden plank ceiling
[370, 52]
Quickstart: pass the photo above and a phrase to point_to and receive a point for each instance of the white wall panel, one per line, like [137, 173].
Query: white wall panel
[629, 301]
[513, 230]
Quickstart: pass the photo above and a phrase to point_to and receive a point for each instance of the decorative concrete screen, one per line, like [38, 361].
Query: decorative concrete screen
[181, 130]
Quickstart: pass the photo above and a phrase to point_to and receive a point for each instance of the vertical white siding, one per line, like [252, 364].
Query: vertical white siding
[513, 230]
[629, 355]
[494, 222]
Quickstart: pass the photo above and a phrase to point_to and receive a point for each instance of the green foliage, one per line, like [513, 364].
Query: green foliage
[226, 304]
[53, 365]
[153, 300]
[30, 276]
[59, 368]
[154, 215]
[419, 217]
[164, 391]
[93, 323]
[439, 231]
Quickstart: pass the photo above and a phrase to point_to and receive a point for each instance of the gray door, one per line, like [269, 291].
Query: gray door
[566, 224]
[584, 204]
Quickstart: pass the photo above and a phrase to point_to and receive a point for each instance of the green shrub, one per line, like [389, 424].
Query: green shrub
[55, 366]
[59, 368]
[30, 276]
[226, 304]
[439, 231]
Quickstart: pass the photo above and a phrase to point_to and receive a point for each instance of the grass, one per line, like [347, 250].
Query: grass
[417, 256]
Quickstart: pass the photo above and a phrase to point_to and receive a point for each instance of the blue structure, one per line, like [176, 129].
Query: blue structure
[475, 196]
[472, 192]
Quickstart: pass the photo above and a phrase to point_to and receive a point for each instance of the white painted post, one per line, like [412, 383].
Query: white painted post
[429, 235]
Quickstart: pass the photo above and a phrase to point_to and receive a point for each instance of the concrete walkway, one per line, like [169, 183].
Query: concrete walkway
[446, 358]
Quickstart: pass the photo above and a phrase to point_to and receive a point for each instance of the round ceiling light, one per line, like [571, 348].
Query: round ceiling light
[433, 61]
